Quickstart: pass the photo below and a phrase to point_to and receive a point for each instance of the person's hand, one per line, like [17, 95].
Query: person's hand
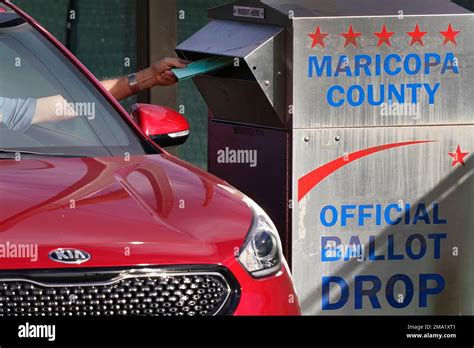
[162, 70]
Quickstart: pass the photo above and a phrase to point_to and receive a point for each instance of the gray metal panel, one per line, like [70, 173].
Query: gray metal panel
[281, 12]
[267, 64]
[453, 103]
[271, 156]
[228, 38]
[331, 8]
[271, 16]
[408, 174]
[237, 101]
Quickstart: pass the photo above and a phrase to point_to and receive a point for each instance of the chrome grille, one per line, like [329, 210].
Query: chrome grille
[144, 294]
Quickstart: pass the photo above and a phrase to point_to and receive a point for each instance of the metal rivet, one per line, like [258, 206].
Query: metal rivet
[306, 139]
[338, 138]
[267, 83]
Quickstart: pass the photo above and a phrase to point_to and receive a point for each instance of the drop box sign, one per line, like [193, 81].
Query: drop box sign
[382, 142]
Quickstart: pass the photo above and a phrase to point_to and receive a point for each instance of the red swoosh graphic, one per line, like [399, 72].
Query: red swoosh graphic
[311, 180]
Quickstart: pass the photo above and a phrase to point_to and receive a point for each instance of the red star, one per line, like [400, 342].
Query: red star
[351, 37]
[450, 35]
[458, 156]
[318, 37]
[384, 36]
[417, 36]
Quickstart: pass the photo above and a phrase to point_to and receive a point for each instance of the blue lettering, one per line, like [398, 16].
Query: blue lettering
[421, 214]
[399, 95]
[409, 246]
[345, 214]
[437, 243]
[387, 216]
[326, 286]
[417, 64]
[343, 67]
[436, 219]
[378, 65]
[425, 290]
[372, 247]
[390, 291]
[363, 215]
[378, 215]
[360, 292]
[314, 65]
[387, 64]
[414, 91]
[330, 96]
[429, 63]
[371, 94]
[450, 63]
[365, 66]
[431, 92]
[350, 95]
[322, 216]
[391, 249]
[354, 249]
[333, 248]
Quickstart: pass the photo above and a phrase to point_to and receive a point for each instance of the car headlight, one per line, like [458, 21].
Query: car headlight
[261, 254]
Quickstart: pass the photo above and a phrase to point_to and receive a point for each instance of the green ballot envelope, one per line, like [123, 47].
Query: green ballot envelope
[202, 66]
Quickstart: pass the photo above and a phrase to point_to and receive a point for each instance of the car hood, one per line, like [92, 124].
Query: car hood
[141, 210]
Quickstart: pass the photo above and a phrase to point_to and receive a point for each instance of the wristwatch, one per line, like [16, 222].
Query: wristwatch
[133, 83]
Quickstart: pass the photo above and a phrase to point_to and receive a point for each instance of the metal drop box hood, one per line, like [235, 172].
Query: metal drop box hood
[258, 75]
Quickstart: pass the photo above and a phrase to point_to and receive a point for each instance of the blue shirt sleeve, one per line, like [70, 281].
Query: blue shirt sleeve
[17, 114]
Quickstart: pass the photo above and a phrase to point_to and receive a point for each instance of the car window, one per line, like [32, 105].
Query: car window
[70, 115]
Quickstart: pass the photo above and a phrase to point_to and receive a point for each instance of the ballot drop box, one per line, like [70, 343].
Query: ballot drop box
[352, 124]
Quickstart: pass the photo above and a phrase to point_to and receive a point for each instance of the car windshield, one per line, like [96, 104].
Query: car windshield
[47, 106]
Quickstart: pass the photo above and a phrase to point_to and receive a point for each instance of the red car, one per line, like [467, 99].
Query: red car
[96, 219]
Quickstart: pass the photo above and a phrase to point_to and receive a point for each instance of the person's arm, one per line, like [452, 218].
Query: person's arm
[52, 109]
[159, 74]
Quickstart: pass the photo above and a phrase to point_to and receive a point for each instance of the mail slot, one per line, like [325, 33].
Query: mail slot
[351, 123]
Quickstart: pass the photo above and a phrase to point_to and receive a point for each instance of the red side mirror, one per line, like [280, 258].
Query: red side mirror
[164, 126]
